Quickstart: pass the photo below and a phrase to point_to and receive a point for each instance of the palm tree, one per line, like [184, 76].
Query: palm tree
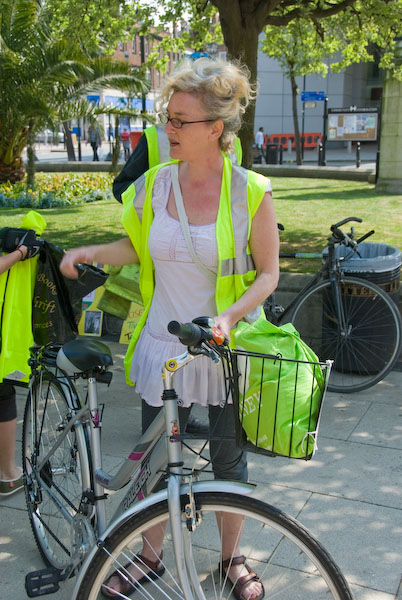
[43, 81]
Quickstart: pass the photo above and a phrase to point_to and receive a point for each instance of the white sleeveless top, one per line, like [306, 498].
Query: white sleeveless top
[182, 292]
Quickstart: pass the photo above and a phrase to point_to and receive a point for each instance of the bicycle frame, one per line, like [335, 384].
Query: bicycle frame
[182, 502]
[150, 453]
[175, 488]
[155, 452]
[144, 464]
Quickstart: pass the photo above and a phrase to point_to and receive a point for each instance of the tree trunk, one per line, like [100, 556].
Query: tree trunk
[69, 141]
[12, 173]
[31, 158]
[240, 33]
[296, 119]
[116, 146]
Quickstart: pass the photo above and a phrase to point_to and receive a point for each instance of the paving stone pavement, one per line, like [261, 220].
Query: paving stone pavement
[349, 494]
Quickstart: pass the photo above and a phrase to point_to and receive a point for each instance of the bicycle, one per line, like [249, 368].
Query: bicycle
[65, 488]
[344, 317]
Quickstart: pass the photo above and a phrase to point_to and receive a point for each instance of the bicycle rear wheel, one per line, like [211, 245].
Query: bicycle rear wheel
[366, 349]
[290, 562]
[53, 493]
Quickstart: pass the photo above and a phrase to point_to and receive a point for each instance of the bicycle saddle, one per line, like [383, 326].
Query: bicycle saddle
[78, 356]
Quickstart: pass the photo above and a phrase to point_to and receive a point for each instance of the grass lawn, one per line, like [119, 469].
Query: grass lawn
[306, 208]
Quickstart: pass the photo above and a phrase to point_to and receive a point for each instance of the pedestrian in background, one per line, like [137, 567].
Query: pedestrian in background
[125, 138]
[259, 143]
[95, 140]
[110, 133]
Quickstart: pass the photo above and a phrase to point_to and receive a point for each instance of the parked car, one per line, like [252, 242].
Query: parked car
[47, 136]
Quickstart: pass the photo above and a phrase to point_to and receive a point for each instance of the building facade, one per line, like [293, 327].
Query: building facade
[359, 85]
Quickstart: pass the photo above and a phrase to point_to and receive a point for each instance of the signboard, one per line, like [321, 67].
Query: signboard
[352, 124]
[310, 104]
[313, 96]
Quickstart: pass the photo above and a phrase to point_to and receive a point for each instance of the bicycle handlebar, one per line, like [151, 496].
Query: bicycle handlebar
[365, 236]
[347, 220]
[339, 236]
[193, 334]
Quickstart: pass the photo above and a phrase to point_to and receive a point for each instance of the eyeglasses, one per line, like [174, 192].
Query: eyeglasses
[178, 123]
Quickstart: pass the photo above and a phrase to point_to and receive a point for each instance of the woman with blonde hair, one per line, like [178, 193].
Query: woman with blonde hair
[227, 268]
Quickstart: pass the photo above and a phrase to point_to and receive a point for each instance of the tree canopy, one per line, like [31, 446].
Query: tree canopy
[95, 27]
[353, 24]
[44, 80]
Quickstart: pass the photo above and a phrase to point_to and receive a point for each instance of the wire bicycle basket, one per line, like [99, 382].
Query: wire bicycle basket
[277, 402]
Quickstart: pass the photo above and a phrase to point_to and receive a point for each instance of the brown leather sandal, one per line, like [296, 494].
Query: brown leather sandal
[242, 582]
[156, 570]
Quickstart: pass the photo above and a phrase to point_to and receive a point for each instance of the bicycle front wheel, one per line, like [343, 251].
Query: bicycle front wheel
[365, 346]
[54, 491]
[290, 562]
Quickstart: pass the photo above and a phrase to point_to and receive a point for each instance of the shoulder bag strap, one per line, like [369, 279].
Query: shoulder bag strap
[174, 169]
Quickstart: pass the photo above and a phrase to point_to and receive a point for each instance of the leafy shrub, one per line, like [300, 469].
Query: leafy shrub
[57, 190]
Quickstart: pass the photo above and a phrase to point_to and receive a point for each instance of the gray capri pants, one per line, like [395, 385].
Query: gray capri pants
[228, 461]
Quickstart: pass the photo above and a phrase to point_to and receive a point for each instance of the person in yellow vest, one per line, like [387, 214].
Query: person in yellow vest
[227, 269]
[152, 149]
[10, 475]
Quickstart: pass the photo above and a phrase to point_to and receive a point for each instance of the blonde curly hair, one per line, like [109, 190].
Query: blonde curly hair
[223, 88]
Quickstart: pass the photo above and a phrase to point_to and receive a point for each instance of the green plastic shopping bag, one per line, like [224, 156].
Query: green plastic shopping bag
[280, 398]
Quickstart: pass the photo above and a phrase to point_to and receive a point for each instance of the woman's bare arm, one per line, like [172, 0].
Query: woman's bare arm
[8, 260]
[264, 246]
[115, 253]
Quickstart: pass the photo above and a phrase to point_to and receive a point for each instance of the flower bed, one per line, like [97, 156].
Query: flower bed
[55, 190]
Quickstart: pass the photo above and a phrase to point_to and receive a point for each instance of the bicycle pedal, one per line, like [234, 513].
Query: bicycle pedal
[42, 582]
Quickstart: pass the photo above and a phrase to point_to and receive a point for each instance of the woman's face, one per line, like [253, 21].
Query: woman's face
[193, 138]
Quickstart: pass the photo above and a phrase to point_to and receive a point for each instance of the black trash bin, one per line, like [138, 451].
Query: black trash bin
[272, 154]
[379, 264]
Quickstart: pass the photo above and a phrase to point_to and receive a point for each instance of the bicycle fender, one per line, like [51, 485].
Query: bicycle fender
[232, 487]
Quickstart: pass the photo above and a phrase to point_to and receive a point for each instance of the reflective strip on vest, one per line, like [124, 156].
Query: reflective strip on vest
[163, 146]
[242, 261]
[237, 156]
[158, 146]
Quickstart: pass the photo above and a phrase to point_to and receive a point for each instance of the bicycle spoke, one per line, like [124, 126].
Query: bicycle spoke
[367, 346]
[289, 562]
[54, 493]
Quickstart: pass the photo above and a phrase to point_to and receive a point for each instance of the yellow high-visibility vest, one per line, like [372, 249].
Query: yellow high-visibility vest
[158, 147]
[16, 292]
[241, 194]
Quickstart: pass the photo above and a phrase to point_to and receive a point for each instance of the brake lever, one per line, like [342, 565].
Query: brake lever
[211, 352]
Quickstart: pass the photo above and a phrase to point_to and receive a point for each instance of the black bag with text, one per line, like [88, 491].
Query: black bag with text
[57, 303]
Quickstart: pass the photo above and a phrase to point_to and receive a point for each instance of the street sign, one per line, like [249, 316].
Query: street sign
[313, 96]
[310, 104]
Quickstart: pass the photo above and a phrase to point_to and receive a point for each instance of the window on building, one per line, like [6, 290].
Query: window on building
[134, 45]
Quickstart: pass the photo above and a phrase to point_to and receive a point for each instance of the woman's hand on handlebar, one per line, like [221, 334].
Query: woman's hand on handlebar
[224, 323]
